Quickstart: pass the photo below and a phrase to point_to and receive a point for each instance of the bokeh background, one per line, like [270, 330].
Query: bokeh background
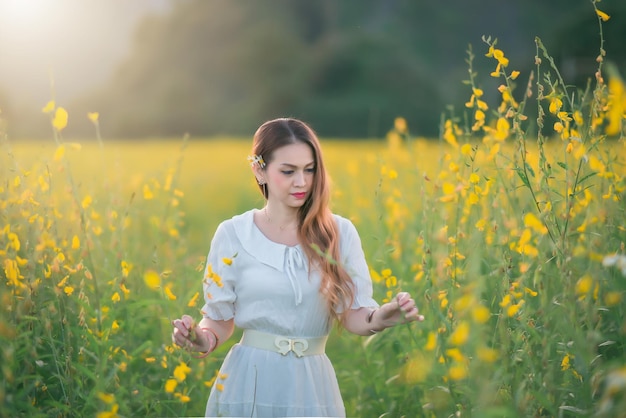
[162, 68]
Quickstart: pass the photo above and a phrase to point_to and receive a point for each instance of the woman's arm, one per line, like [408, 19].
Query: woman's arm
[204, 337]
[368, 321]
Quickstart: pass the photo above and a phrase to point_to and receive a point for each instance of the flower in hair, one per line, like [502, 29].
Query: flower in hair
[256, 160]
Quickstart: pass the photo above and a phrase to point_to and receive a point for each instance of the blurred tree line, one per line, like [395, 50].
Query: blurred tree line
[348, 67]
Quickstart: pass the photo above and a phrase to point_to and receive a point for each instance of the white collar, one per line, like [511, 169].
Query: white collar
[282, 257]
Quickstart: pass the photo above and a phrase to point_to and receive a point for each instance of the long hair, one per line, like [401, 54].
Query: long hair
[317, 230]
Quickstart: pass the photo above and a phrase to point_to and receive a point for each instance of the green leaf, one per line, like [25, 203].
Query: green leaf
[524, 178]
[587, 176]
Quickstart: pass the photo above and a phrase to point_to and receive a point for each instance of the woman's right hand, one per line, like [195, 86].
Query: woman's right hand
[188, 335]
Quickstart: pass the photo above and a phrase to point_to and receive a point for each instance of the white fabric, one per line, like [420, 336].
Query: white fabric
[268, 288]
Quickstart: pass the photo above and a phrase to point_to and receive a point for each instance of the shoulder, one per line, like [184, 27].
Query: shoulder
[347, 230]
[231, 228]
[342, 222]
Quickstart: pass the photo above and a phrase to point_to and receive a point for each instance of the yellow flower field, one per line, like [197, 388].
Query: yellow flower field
[102, 246]
[510, 235]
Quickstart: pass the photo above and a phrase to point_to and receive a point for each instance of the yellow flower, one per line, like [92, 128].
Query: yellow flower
[613, 298]
[59, 153]
[170, 385]
[109, 414]
[530, 291]
[602, 15]
[457, 372]
[481, 314]
[531, 221]
[499, 55]
[227, 261]
[68, 290]
[60, 119]
[431, 341]
[86, 202]
[125, 290]
[49, 107]
[147, 193]
[496, 73]
[75, 242]
[106, 397]
[14, 241]
[416, 369]
[116, 297]
[564, 116]
[514, 309]
[115, 325]
[565, 363]
[460, 334]
[168, 292]
[473, 199]
[502, 129]
[93, 116]
[126, 268]
[183, 398]
[555, 105]
[63, 281]
[391, 281]
[217, 279]
[181, 371]
[152, 279]
[193, 300]
[584, 285]
[482, 105]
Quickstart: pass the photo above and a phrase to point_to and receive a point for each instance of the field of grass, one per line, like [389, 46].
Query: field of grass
[512, 243]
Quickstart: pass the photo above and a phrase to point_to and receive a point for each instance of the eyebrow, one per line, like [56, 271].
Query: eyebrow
[295, 166]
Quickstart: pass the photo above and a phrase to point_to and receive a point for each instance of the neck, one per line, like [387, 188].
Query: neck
[283, 219]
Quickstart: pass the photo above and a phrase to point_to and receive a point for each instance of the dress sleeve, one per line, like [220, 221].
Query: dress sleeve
[355, 264]
[219, 277]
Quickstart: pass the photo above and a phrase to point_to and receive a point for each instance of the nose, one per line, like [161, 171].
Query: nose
[299, 179]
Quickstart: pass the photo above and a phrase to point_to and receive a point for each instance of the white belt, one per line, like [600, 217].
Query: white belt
[283, 345]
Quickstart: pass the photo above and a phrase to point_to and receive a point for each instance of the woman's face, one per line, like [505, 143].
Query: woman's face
[290, 175]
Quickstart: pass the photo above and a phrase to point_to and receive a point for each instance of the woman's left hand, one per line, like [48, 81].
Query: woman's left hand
[400, 310]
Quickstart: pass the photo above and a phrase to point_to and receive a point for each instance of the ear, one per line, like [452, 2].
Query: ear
[258, 173]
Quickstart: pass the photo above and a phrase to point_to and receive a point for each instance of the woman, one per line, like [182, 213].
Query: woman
[283, 274]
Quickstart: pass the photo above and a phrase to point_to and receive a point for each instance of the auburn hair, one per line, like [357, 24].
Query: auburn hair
[318, 232]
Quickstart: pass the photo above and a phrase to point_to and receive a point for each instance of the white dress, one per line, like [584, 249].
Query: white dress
[266, 286]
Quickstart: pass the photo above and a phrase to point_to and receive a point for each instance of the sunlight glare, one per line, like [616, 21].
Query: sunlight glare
[26, 18]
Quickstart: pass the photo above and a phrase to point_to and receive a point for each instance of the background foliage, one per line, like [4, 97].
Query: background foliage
[349, 67]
